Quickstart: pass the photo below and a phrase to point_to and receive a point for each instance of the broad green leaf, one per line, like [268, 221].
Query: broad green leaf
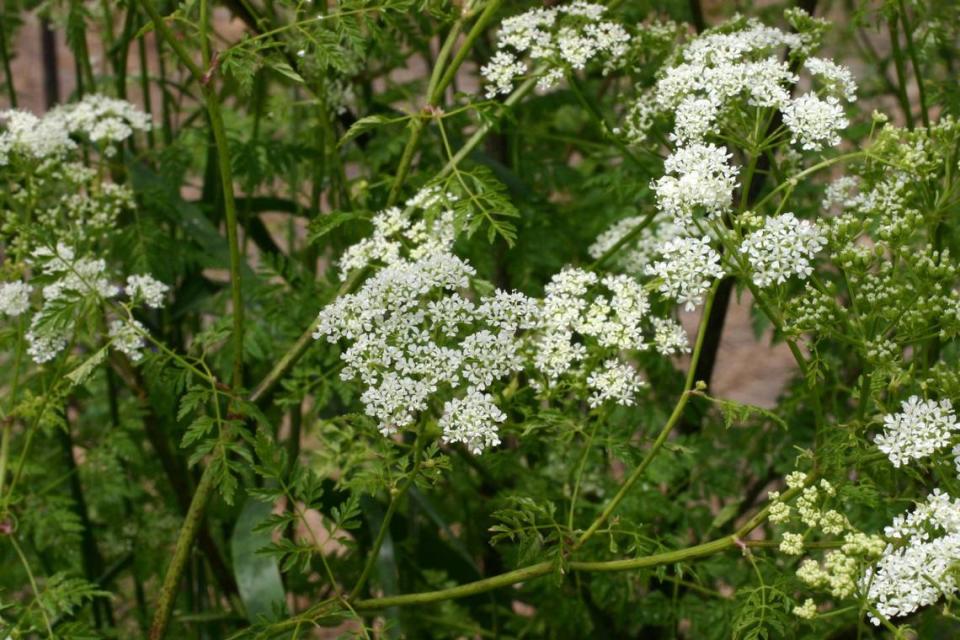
[258, 577]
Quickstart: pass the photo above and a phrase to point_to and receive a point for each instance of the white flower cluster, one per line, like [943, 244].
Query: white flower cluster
[14, 298]
[918, 568]
[472, 420]
[814, 122]
[615, 322]
[920, 429]
[639, 253]
[102, 119]
[72, 281]
[669, 337]
[565, 37]
[75, 277]
[145, 287]
[687, 269]
[784, 247]
[25, 135]
[719, 72]
[416, 332]
[394, 228]
[697, 176]
[126, 336]
[837, 79]
[616, 381]
[99, 118]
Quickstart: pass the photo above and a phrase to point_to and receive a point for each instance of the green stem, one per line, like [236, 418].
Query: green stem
[664, 433]
[395, 498]
[912, 52]
[579, 478]
[437, 87]
[543, 568]
[460, 591]
[900, 67]
[6, 422]
[406, 159]
[518, 94]
[171, 580]
[161, 26]
[464, 50]
[7, 426]
[205, 488]
[594, 112]
[33, 585]
[794, 180]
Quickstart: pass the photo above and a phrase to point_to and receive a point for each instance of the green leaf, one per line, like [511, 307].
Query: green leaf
[366, 124]
[80, 375]
[197, 430]
[258, 576]
[322, 225]
[287, 71]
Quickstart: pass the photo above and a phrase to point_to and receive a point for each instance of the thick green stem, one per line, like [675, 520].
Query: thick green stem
[188, 532]
[543, 568]
[900, 67]
[664, 433]
[912, 52]
[230, 209]
[465, 48]
[460, 591]
[206, 487]
[579, 473]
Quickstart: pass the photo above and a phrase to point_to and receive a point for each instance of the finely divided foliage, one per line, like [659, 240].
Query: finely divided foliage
[262, 374]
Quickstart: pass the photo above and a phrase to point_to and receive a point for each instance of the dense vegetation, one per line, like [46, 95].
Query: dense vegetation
[398, 318]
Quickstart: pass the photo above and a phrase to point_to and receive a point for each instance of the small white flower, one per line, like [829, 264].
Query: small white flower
[784, 247]
[814, 123]
[14, 298]
[145, 287]
[920, 429]
[698, 177]
[792, 544]
[806, 611]
[126, 337]
[779, 512]
[796, 479]
[500, 72]
[44, 345]
[616, 381]
[669, 337]
[473, 420]
[837, 78]
[687, 269]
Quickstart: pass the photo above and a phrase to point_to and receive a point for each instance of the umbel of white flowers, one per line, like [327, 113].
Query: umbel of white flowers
[76, 279]
[554, 40]
[100, 119]
[416, 331]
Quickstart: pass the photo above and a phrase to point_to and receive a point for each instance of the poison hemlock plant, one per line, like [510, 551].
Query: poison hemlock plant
[296, 333]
